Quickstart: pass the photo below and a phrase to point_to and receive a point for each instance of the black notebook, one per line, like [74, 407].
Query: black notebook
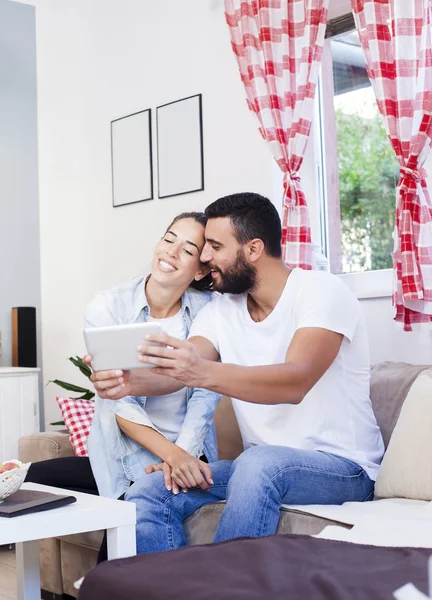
[24, 502]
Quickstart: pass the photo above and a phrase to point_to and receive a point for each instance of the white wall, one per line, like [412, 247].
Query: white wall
[19, 210]
[104, 59]
[97, 61]
[388, 341]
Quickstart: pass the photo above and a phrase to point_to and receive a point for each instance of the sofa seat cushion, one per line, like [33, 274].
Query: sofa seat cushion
[352, 513]
[201, 526]
[409, 532]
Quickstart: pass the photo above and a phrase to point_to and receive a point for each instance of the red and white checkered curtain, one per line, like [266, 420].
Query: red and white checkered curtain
[396, 39]
[278, 45]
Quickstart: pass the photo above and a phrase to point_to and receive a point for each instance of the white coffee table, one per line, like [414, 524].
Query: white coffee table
[88, 513]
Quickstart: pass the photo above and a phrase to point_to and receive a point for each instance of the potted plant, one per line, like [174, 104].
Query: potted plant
[85, 393]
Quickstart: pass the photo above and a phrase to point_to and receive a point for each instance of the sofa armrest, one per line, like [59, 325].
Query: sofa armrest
[43, 446]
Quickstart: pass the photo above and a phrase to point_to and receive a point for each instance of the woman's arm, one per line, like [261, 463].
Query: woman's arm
[199, 416]
[149, 438]
[186, 470]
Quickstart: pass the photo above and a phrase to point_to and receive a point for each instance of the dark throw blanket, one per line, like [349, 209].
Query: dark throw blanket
[279, 567]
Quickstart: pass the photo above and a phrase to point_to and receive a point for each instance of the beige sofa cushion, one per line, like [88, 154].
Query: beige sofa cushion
[406, 470]
[390, 384]
[229, 439]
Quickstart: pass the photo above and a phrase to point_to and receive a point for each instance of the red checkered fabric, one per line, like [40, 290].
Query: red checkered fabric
[278, 45]
[397, 42]
[78, 417]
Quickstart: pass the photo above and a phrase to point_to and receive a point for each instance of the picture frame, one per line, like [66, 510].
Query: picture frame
[180, 147]
[132, 159]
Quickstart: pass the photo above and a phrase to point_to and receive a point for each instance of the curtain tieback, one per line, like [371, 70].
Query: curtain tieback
[416, 174]
[291, 183]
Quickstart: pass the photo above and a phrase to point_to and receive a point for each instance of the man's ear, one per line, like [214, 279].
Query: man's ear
[254, 250]
[204, 270]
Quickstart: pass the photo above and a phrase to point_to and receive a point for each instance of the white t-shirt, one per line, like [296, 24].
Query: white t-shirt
[336, 416]
[168, 412]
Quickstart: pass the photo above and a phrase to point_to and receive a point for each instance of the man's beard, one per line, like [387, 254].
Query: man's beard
[239, 278]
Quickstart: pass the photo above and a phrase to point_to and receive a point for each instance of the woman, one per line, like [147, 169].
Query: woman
[138, 434]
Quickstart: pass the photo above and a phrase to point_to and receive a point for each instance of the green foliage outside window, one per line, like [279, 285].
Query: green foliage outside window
[368, 172]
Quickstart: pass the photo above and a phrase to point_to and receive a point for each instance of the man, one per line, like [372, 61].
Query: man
[291, 349]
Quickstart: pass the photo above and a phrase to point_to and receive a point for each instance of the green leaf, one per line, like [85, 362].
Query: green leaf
[87, 396]
[58, 423]
[69, 386]
[77, 361]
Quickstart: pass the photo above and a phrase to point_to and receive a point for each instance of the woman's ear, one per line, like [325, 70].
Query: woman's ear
[204, 270]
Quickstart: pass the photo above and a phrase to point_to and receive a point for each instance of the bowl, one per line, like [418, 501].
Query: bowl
[12, 480]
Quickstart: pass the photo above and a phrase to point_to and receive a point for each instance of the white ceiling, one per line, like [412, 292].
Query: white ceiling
[29, 2]
[338, 7]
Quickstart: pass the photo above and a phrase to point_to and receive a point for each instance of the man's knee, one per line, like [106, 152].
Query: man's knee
[260, 464]
[252, 465]
[254, 457]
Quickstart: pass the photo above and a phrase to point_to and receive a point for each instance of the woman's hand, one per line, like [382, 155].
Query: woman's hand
[110, 385]
[184, 471]
[166, 469]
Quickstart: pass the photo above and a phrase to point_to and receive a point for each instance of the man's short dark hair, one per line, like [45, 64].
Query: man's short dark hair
[252, 216]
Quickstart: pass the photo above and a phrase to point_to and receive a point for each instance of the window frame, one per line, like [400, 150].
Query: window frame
[366, 284]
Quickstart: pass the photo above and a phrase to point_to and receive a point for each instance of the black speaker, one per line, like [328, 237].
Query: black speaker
[24, 352]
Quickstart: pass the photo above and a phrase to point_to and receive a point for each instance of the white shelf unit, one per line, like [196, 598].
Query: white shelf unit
[19, 407]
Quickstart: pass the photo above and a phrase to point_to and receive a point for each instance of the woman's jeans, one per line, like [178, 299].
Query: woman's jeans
[254, 486]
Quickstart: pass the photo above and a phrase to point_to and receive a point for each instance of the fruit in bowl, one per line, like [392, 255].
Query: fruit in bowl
[12, 475]
[8, 466]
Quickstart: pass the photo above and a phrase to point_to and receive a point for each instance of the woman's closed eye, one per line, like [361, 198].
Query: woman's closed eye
[184, 249]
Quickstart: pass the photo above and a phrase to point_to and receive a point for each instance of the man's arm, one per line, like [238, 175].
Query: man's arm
[116, 384]
[311, 352]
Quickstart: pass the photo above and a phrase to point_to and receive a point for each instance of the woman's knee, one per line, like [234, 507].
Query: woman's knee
[147, 487]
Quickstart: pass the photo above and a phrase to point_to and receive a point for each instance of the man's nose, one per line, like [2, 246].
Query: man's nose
[206, 254]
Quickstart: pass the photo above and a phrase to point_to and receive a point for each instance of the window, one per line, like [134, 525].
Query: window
[360, 170]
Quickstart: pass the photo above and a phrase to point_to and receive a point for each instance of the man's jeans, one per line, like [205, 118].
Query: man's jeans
[254, 486]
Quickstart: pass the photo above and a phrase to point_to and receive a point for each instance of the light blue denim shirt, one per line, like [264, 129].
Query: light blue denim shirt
[116, 460]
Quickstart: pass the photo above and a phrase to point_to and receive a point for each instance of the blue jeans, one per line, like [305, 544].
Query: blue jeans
[254, 486]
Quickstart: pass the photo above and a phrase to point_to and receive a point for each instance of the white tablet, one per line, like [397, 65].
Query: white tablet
[115, 347]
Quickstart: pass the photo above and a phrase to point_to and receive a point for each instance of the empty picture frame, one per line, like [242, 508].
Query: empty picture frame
[180, 147]
[131, 159]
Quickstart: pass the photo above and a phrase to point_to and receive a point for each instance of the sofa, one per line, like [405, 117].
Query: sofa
[66, 559]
